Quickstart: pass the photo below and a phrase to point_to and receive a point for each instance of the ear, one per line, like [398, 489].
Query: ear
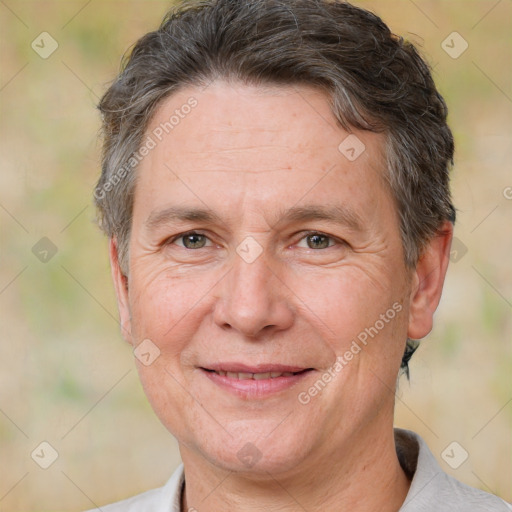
[427, 282]
[121, 287]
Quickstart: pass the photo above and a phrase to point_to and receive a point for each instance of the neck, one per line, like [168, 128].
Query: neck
[363, 478]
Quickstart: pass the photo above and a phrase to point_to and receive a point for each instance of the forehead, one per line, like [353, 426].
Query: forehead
[299, 116]
[257, 145]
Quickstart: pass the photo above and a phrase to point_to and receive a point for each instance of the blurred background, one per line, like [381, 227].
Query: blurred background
[66, 376]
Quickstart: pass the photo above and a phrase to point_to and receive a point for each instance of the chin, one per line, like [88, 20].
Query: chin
[256, 459]
[256, 468]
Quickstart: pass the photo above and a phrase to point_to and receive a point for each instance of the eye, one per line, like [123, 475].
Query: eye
[317, 241]
[191, 240]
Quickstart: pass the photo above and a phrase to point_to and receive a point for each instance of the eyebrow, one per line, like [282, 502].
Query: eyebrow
[336, 214]
[180, 214]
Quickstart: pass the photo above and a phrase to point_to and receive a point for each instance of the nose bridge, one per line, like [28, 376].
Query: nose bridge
[250, 280]
[252, 297]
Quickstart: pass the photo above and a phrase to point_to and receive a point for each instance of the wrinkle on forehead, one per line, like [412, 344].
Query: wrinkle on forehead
[260, 153]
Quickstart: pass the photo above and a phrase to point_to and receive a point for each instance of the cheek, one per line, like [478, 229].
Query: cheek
[168, 310]
[164, 305]
[345, 302]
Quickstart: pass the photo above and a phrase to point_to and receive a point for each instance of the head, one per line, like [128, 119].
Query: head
[275, 185]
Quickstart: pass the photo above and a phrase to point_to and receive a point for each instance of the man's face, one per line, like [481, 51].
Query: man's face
[292, 252]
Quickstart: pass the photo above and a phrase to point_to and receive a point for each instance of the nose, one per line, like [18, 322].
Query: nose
[253, 300]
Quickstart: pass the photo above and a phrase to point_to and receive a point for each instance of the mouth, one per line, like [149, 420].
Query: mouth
[255, 382]
[255, 376]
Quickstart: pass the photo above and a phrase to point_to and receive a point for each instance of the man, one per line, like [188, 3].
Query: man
[275, 187]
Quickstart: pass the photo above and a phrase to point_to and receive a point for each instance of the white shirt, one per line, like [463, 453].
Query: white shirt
[431, 490]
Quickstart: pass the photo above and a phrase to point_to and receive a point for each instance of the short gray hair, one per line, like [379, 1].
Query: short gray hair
[374, 79]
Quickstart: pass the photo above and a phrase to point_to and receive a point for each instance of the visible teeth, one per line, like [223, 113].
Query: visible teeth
[255, 376]
[258, 376]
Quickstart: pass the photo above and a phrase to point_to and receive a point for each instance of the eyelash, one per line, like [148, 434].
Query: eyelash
[304, 236]
[183, 235]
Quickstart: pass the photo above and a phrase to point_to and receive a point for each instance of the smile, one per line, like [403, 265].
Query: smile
[256, 384]
[255, 376]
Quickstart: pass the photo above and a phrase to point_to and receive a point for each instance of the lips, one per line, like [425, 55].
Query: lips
[254, 381]
[255, 376]
[260, 371]
[259, 368]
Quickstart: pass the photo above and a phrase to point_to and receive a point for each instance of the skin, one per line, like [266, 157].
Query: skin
[248, 154]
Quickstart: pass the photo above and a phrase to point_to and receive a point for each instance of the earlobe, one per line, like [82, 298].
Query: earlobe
[121, 288]
[428, 281]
